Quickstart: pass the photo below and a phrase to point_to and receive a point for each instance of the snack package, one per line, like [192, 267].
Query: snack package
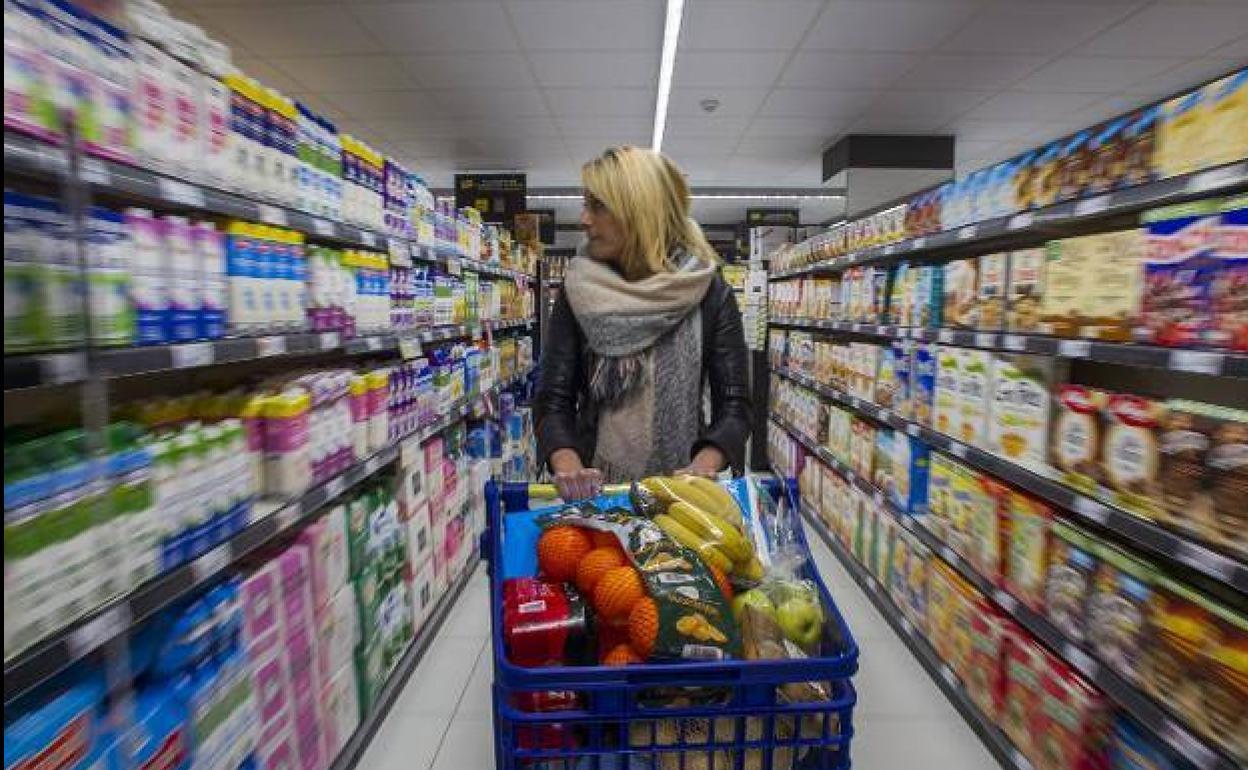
[1118, 609]
[1025, 290]
[1068, 584]
[1072, 722]
[1076, 444]
[1018, 428]
[1179, 269]
[1113, 297]
[1026, 565]
[1131, 453]
[762, 639]
[973, 397]
[984, 677]
[1224, 710]
[1201, 471]
[990, 310]
[1179, 627]
[923, 383]
[1228, 292]
[1025, 665]
[1066, 286]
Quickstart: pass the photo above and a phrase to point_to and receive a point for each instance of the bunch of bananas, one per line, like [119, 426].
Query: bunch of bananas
[701, 515]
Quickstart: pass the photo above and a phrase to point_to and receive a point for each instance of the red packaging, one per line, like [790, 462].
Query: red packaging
[544, 624]
[1025, 664]
[546, 736]
[1072, 724]
[985, 667]
[543, 701]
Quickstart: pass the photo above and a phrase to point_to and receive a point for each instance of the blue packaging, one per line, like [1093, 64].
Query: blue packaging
[923, 383]
[63, 734]
[158, 738]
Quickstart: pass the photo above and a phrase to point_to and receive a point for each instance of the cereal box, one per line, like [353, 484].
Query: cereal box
[861, 447]
[1075, 446]
[1131, 454]
[1072, 721]
[1018, 425]
[923, 383]
[910, 468]
[902, 363]
[928, 295]
[1113, 302]
[940, 501]
[941, 606]
[947, 412]
[990, 311]
[1118, 610]
[1025, 665]
[1181, 135]
[1227, 131]
[1025, 288]
[899, 308]
[984, 676]
[1066, 270]
[1026, 562]
[1068, 583]
[961, 294]
[989, 531]
[886, 382]
[1228, 293]
[883, 460]
[973, 500]
[1179, 266]
[973, 396]
[885, 536]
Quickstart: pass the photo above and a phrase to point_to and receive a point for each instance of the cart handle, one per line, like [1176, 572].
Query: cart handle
[549, 492]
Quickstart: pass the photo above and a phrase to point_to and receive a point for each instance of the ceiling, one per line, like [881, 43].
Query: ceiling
[542, 85]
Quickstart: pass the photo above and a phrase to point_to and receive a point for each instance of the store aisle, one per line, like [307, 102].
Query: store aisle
[442, 721]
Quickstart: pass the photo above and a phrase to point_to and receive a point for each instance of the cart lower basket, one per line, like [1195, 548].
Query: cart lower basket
[726, 715]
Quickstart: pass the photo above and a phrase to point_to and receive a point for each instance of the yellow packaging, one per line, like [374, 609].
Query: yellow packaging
[1227, 106]
[948, 383]
[973, 402]
[1018, 424]
[1116, 285]
[1066, 285]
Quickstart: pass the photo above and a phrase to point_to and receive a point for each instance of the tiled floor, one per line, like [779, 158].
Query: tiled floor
[442, 721]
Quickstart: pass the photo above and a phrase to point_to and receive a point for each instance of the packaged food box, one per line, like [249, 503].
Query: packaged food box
[1131, 747]
[899, 290]
[1181, 135]
[993, 274]
[887, 384]
[1076, 444]
[1114, 292]
[1118, 609]
[1179, 269]
[974, 405]
[1025, 665]
[1180, 625]
[1224, 712]
[967, 600]
[948, 417]
[861, 447]
[1068, 583]
[1072, 723]
[989, 531]
[961, 294]
[914, 598]
[941, 607]
[883, 475]
[1067, 265]
[1018, 423]
[984, 677]
[1228, 294]
[1226, 106]
[910, 466]
[1023, 181]
[840, 423]
[940, 495]
[1026, 566]
[1140, 139]
[1047, 179]
[1025, 290]
[928, 296]
[1131, 454]
[1107, 147]
[1075, 166]
[923, 383]
[974, 501]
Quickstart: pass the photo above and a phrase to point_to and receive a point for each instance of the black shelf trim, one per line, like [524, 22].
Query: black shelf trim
[1144, 535]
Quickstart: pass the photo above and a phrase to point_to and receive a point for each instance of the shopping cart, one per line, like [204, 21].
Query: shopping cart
[731, 719]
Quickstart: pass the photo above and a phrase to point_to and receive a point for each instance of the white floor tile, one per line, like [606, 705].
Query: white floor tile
[467, 745]
[405, 742]
[476, 702]
[439, 681]
[930, 744]
[470, 617]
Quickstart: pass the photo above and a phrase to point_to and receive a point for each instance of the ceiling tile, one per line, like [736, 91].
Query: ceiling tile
[601, 101]
[266, 73]
[733, 102]
[545, 25]
[407, 129]
[784, 149]
[744, 25]
[481, 103]
[373, 105]
[917, 25]
[1035, 105]
[1237, 49]
[312, 31]
[973, 149]
[1188, 30]
[819, 129]
[925, 105]
[350, 72]
[805, 102]
[415, 28]
[1040, 28]
[1094, 74]
[836, 70]
[706, 125]
[743, 69]
[440, 146]
[584, 148]
[990, 130]
[599, 126]
[681, 145]
[972, 72]
[470, 70]
[1184, 77]
[609, 69]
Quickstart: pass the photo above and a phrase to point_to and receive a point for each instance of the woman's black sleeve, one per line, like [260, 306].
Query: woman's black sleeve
[728, 365]
[559, 384]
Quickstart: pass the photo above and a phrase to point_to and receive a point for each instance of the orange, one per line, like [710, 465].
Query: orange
[595, 563]
[621, 655]
[643, 626]
[560, 549]
[610, 636]
[603, 539]
[617, 591]
[721, 580]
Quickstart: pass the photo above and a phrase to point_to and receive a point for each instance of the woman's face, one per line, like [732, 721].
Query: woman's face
[606, 237]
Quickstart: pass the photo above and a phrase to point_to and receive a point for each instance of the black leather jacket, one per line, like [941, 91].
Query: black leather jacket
[564, 418]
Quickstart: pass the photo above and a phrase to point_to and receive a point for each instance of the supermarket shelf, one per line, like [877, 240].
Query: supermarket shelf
[1138, 532]
[29, 157]
[93, 630]
[39, 369]
[1141, 707]
[997, 742]
[1209, 362]
[357, 744]
[1045, 222]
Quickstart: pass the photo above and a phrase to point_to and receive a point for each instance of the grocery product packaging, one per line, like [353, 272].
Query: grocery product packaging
[1113, 299]
[1200, 472]
[1076, 443]
[1131, 454]
[974, 398]
[1118, 609]
[1018, 423]
[991, 291]
[1027, 559]
[1068, 583]
[1229, 292]
[947, 417]
[1072, 722]
[1179, 272]
[1024, 290]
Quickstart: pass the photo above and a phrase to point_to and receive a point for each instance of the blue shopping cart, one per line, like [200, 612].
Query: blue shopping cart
[713, 715]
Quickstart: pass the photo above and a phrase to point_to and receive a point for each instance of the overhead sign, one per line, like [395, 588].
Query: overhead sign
[545, 225]
[773, 217]
[499, 197]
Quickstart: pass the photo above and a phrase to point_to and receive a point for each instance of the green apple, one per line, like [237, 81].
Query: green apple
[801, 620]
[753, 598]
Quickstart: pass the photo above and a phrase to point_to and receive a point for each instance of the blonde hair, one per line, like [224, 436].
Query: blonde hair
[648, 196]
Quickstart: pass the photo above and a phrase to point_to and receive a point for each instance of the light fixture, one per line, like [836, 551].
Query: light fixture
[667, 65]
[710, 197]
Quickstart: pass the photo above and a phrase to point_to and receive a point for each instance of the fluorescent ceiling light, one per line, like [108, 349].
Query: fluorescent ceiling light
[667, 64]
[713, 197]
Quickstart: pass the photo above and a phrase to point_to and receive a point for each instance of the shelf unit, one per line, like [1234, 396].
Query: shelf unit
[1125, 694]
[1140, 533]
[273, 521]
[1041, 223]
[1215, 363]
[31, 158]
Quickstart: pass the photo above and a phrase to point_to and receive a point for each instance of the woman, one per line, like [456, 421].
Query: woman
[644, 322]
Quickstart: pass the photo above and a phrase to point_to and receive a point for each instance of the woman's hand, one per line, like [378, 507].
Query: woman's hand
[708, 462]
[573, 480]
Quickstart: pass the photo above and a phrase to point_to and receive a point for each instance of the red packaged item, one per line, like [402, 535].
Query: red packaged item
[1025, 665]
[546, 736]
[1072, 724]
[544, 624]
[985, 666]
